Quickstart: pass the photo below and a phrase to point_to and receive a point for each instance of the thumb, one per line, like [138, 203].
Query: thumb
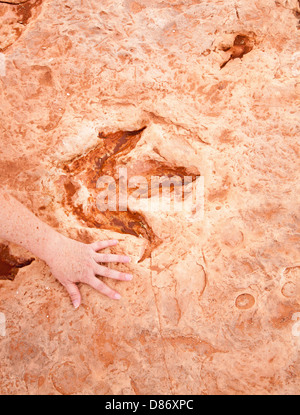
[74, 294]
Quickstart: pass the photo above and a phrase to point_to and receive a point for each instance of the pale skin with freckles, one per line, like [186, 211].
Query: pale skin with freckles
[70, 261]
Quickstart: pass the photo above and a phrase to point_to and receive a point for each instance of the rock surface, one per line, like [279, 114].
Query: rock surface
[181, 87]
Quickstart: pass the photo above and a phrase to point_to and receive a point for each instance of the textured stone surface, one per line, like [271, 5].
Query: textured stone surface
[216, 86]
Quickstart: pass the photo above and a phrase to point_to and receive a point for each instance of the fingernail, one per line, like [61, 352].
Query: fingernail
[117, 297]
[76, 304]
[128, 277]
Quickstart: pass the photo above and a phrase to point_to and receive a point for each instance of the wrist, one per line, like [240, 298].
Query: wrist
[50, 246]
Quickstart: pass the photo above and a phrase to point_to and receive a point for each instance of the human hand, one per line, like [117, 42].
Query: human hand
[72, 262]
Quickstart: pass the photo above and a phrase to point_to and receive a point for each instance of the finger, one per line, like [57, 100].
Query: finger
[111, 258]
[103, 288]
[103, 244]
[111, 273]
[74, 293]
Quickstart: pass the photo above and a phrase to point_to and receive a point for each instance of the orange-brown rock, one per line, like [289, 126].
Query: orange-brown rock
[164, 88]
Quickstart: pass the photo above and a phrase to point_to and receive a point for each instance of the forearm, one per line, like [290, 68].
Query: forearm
[19, 225]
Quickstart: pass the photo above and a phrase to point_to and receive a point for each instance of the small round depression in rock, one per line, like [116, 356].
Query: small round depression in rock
[289, 289]
[244, 301]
